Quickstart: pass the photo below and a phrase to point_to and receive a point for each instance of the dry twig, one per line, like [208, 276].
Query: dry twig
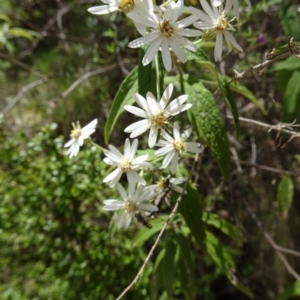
[277, 248]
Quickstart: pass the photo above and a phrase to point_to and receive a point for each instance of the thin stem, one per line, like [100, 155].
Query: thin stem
[157, 77]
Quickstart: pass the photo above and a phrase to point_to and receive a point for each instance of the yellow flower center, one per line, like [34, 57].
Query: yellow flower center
[159, 120]
[126, 165]
[162, 184]
[223, 25]
[130, 206]
[179, 145]
[76, 132]
[126, 5]
[166, 29]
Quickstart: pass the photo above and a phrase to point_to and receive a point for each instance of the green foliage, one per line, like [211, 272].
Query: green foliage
[51, 213]
[288, 75]
[291, 292]
[146, 76]
[285, 195]
[223, 225]
[290, 20]
[191, 210]
[207, 122]
[56, 241]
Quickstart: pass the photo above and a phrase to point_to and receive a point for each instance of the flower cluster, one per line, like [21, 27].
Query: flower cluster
[166, 29]
[156, 118]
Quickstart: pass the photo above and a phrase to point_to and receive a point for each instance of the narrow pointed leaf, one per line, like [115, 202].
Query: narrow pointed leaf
[190, 208]
[124, 96]
[285, 195]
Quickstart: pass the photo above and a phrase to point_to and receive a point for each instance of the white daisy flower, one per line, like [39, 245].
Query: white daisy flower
[164, 186]
[132, 203]
[125, 163]
[235, 3]
[165, 33]
[139, 6]
[156, 114]
[172, 147]
[214, 21]
[78, 135]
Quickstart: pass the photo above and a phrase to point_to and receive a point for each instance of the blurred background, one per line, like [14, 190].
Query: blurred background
[60, 64]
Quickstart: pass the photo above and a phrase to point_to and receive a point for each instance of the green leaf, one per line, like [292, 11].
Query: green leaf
[225, 89]
[219, 254]
[244, 289]
[285, 195]
[146, 76]
[297, 157]
[206, 120]
[223, 225]
[24, 33]
[169, 263]
[186, 267]
[291, 95]
[124, 96]
[290, 64]
[290, 21]
[157, 281]
[292, 291]
[191, 210]
[242, 90]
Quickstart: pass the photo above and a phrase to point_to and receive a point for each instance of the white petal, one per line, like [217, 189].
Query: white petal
[150, 37]
[69, 143]
[218, 47]
[136, 111]
[101, 10]
[139, 159]
[153, 134]
[127, 149]
[133, 149]
[138, 128]
[166, 95]
[141, 101]
[113, 153]
[144, 19]
[176, 131]
[231, 40]
[152, 50]
[91, 126]
[189, 32]
[177, 50]
[113, 177]
[167, 137]
[200, 14]
[111, 162]
[164, 150]
[73, 150]
[166, 55]
[186, 21]
[174, 163]
[167, 159]
[122, 192]
[133, 177]
[207, 8]
[193, 147]
[147, 207]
